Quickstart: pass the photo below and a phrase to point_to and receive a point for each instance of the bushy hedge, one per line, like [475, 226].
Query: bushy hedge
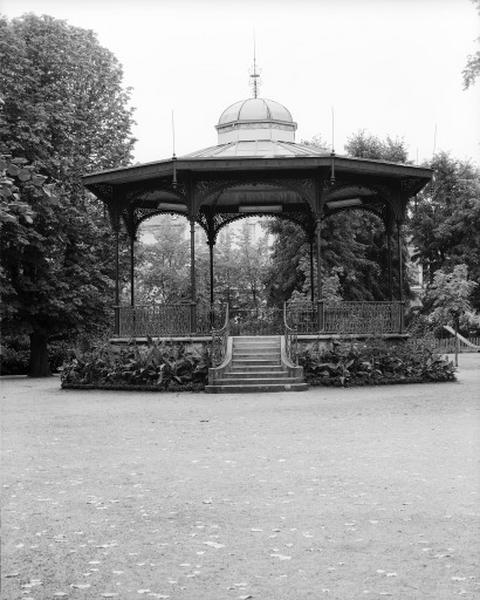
[154, 366]
[375, 363]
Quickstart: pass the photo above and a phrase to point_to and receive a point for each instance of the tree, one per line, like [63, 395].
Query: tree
[163, 259]
[449, 295]
[472, 68]
[364, 145]
[445, 220]
[65, 112]
[251, 258]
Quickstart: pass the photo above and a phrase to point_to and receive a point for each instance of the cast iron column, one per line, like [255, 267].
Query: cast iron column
[116, 225]
[389, 262]
[132, 281]
[312, 284]
[132, 270]
[211, 244]
[318, 225]
[400, 272]
[193, 297]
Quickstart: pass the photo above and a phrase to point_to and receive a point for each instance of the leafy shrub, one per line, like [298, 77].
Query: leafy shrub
[15, 355]
[13, 361]
[375, 363]
[152, 366]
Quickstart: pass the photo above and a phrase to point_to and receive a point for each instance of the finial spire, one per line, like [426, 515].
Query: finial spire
[255, 76]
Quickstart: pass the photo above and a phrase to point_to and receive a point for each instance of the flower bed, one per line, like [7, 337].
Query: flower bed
[375, 363]
[150, 367]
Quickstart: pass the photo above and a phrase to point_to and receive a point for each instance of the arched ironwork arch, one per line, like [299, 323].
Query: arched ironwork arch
[284, 217]
[155, 213]
[214, 223]
[208, 192]
[360, 207]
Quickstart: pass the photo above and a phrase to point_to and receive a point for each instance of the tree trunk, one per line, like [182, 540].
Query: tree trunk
[39, 366]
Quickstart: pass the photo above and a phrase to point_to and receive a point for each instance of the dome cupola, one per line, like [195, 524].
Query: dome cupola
[256, 119]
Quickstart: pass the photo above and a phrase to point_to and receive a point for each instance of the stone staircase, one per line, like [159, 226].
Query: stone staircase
[256, 365]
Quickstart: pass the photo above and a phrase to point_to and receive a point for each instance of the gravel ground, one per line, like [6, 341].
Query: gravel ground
[330, 493]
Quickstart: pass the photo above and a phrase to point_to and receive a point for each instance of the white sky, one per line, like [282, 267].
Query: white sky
[388, 66]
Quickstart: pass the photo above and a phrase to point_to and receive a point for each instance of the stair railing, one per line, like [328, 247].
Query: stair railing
[291, 338]
[220, 340]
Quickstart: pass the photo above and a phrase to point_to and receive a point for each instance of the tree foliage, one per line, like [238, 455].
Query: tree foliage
[64, 112]
[163, 261]
[445, 220]
[364, 145]
[472, 68]
[449, 296]
[65, 109]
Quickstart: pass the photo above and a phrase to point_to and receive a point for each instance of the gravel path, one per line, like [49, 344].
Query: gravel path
[330, 493]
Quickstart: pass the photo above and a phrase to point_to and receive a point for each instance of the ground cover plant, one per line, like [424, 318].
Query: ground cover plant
[375, 363]
[153, 366]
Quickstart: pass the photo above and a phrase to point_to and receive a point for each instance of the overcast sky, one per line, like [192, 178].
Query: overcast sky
[387, 66]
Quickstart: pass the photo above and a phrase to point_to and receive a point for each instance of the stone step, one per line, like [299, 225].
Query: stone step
[249, 388]
[255, 338]
[256, 348]
[256, 341]
[256, 354]
[256, 380]
[257, 373]
[277, 369]
[255, 361]
[256, 351]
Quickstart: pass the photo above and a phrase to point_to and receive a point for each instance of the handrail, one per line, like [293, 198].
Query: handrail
[220, 340]
[460, 337]
[291, 338]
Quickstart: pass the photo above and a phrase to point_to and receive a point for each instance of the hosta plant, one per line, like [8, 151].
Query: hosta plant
[154, 365]
[375, 362]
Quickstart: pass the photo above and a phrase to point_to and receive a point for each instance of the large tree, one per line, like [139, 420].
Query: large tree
[445, 219]
[65, 111]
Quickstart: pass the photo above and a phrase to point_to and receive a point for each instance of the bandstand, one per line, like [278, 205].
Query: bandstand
[257, 169]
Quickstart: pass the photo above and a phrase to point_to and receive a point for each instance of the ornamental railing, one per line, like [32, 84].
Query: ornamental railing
[346, 317]
[163, 320]
[220, 340]
[291, 338]
[352, 318]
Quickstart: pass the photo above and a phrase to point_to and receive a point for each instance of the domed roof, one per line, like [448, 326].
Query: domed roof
[256, 119]
[255, 109]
